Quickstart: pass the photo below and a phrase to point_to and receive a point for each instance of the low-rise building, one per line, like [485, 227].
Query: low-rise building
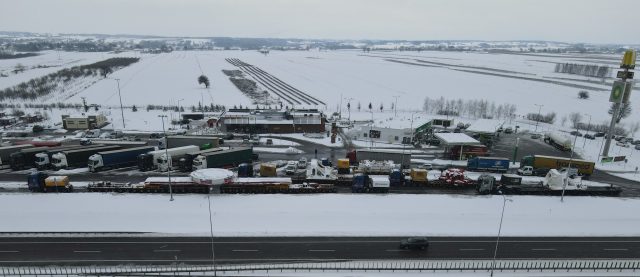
[273, 121]
[83, 121]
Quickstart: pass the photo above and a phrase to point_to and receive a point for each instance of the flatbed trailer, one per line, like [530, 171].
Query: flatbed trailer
[538, 189]
[151, 185]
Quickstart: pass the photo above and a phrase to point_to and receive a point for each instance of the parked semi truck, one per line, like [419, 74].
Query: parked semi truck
[225, 158]
[25, 158]
[203, 142]
[540, 165]
[493, 164]
[116, 158]
[43, 159]
[396, 156]
[158, 159]
[186, 163]
[77, 157]
[558, 140]
[122, 143]
[41, 182]
[6, 151]
[370, 183]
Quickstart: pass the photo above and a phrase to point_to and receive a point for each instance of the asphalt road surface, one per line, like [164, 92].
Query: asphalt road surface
[167, 250]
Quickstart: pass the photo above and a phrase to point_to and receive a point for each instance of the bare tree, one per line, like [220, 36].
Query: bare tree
[575, 119]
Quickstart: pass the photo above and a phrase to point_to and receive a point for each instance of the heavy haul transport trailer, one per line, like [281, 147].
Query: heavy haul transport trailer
[152, 185]
[273, 185]
[6, 151]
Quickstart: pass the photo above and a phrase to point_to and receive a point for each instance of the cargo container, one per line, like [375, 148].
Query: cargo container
[156, 159]
[6, 151]
[203, 142]
[268, 170]
[537, 162]
[343, 166]
[225, 158]
[77, 157]
[124, 144]
[493, 164]
[558, 140]
[116, 158]
[356, 156]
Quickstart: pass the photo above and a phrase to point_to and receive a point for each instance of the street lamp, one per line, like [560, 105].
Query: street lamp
[349, 106]
[404, 145]
[538, 118]
[495, 251]
[166, 153]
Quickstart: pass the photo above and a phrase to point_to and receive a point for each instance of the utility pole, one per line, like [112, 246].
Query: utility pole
[395, 106]
[166, 153]
[515, 150]
[180, 114]
[495, 251]
[538, 118]
[588, 128]
[120, 96]
[618, 94]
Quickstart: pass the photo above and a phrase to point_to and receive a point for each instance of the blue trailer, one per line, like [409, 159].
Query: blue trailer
[117, 158]
[396, 178]
[493, 164]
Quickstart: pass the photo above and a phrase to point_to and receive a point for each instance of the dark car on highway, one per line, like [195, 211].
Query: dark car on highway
[589, 136]
[414, 243]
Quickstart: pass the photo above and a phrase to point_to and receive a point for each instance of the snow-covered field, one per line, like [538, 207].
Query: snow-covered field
[320, 215]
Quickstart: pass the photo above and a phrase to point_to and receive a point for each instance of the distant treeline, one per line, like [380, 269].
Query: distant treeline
[41, 86]
[468, 107]
[583, 69]
[8, 56]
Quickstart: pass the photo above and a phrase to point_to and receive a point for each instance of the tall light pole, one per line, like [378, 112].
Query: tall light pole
[538, 118]
[566, 180]
[395, 106]
[370, 129]
[588, 128]
[349, 106]
[180, 114]
[120, 96]
[166, 153]
[495, 251]
[404, 145]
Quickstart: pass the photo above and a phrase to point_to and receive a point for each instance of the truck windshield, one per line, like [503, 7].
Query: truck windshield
[55, 161]
[40, 159]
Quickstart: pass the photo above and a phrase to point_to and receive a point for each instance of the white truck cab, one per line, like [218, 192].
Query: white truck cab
[199, 162]
[42, 160]
[59, 160]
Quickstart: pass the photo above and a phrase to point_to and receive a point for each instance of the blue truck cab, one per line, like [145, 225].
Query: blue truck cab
[35, 181]
[360, 183]
[396, 178]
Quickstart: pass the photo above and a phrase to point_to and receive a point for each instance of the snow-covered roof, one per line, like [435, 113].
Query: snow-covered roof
[166, 180]
[485, 126]
[456, 139]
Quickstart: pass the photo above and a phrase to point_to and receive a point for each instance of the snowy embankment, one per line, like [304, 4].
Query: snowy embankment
[288, 150]
[320, 215]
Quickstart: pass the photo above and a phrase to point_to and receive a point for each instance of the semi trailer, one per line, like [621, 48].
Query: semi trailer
[225, 158]
[6, 151]
[158, 158]
[77, 157]
[116, 158]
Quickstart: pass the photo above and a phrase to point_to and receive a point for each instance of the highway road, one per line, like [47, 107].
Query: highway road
[198, 250]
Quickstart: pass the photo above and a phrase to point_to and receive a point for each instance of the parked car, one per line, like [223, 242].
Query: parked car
[302, 163]
[291, 168]
[414, 243]
[508, 130]
[622, 144]
[589, 136]
[599, 134]
[637, 147]
[269, 141]
[535, 136]
[576, 133]
[636, 142]
[500, 130]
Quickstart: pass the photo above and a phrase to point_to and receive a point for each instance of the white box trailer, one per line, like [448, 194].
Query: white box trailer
[158, 159]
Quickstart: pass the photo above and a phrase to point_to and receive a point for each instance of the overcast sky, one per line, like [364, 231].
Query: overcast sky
[599, 21]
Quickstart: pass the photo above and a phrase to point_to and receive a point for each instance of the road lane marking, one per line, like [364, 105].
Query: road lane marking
[396, 250]
[615, 249]
[471, 249]
[543, 249]
[166, 250]
[244, 250]
[9, 251]
[321, 250]
[87, 251]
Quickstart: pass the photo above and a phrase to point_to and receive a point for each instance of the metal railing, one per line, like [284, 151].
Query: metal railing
[336, 265]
